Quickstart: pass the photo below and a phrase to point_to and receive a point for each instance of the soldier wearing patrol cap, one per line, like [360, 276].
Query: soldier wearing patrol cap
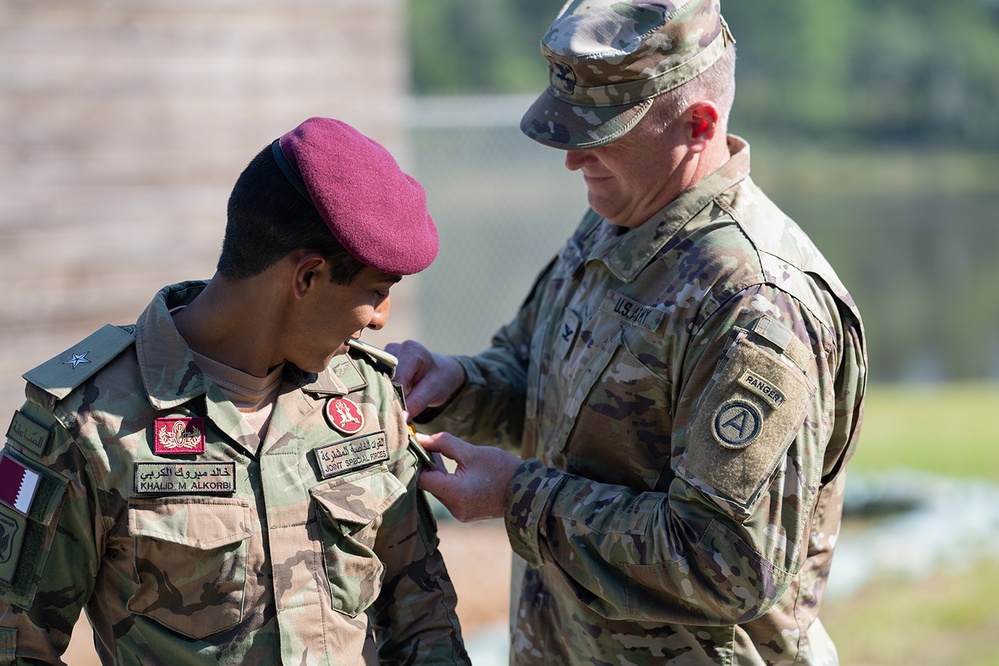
[230, 480]
[684, 383]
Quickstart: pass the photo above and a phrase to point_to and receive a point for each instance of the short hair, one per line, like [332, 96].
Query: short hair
[716, 84]
[267, 219]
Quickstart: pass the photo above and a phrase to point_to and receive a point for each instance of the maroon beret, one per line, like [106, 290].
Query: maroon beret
[376, 211]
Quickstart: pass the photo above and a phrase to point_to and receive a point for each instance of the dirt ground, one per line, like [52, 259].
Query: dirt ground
[478, 559]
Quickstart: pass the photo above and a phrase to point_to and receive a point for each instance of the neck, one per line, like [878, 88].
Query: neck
[233, 322]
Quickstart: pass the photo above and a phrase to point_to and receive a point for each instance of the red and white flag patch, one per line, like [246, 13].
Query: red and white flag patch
[18, 484]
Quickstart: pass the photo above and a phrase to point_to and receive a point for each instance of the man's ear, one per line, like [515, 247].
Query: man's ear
[308, 268]
[703, 123]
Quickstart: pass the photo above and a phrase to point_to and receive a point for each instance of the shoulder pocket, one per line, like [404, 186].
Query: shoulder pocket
[349, 511]
[192, 552]
[744, 423]
[29, 504]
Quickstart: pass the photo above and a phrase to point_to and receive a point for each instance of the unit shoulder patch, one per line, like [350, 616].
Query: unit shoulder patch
[13, 527]
[61, 374]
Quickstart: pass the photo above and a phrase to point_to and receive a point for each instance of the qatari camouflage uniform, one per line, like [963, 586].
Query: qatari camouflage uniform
[285, 551]
[686, 395]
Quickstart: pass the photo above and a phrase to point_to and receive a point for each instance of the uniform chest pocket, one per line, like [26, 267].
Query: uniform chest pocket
[580, 374]
[190, 562]
[349, 511]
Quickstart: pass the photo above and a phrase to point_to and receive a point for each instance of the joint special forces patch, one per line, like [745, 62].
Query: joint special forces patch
[344, 415]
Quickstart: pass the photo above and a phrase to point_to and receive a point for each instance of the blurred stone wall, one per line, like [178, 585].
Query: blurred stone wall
[124, 125]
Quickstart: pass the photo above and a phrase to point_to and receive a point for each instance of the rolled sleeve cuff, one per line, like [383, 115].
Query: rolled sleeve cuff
[528, 495]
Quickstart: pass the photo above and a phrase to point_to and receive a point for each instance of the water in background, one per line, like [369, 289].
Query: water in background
[913, 236]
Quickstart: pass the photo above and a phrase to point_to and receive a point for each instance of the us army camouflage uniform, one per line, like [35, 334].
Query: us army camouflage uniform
[284, 560]
[686, 396]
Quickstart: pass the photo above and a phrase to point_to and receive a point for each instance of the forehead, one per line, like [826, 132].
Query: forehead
[374, 276]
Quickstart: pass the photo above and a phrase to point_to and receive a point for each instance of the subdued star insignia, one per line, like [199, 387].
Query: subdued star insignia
[78, 359]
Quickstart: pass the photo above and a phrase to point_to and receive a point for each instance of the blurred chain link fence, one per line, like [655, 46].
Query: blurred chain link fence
[503, 205]
[915, 250]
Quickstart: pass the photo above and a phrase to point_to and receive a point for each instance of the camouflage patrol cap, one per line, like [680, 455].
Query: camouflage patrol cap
[607, 59]
[377, 211]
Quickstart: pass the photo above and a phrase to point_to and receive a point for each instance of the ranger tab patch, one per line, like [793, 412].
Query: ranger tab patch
[18, 484]
[175, 478]
[763, 388]
[179, 436]
[350, 454]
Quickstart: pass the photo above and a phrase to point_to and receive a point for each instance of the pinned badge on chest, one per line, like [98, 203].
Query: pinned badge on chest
[179, 436]
[344, 415]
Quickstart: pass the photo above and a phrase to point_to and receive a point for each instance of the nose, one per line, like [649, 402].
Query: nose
[575, 159]
[380, 317]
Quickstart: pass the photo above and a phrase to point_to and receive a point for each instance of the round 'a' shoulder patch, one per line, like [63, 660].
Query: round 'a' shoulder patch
[736, 424]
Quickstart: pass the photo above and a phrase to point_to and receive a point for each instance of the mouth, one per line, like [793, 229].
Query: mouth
[594, 179]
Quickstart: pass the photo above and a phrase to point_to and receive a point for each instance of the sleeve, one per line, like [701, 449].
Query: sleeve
[489, 409]
[49, 556]
[414, 616]
[759, 427]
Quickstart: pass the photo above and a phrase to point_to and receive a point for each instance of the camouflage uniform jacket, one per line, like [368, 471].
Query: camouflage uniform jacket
[686, 396]
[286, 551]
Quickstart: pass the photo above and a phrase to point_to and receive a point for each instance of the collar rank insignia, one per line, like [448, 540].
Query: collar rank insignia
[179, 436]
[18, 484]
[344, 415]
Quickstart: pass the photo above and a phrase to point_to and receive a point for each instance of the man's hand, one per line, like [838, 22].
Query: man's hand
[477, 489]
[428, 379]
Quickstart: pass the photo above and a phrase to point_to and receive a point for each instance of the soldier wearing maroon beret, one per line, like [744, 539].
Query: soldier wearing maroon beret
[231, 480]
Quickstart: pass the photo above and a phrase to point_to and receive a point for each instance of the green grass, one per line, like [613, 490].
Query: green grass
[950, 618]
[947, 619]
[950, 429]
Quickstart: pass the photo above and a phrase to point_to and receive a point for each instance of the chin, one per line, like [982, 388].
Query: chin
[339, 351]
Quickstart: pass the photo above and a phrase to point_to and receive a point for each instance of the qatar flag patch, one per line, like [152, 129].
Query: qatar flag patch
[18, 484]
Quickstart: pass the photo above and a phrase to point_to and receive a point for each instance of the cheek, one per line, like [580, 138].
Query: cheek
[359, 317]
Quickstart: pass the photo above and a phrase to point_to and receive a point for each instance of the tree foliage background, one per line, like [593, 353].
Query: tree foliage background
[919, 71]
[874, 126]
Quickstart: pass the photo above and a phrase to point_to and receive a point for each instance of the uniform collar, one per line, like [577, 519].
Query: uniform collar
[627, 255]
[167, 367]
